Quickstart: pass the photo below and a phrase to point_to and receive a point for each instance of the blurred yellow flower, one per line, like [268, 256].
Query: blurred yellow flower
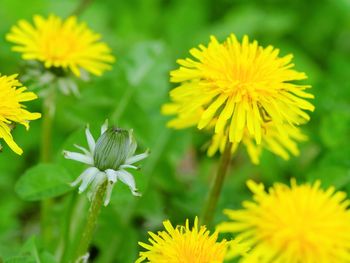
[61, 43]
[241, 90]
[301, 223]
[279, 144]
[183, 245]
[12, 93]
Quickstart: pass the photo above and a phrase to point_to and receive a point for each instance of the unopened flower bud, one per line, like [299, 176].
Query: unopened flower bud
[112, 149]
[109, 159]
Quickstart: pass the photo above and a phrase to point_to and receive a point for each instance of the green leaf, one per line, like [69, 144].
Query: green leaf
[47, 257]
[29, 253]
[20, 259]
[43, 181]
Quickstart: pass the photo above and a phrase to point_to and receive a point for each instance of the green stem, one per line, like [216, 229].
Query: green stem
[47, 120]
[214, 194]
[123, 103]
[45, 156]
[91, 221]
[83, 5]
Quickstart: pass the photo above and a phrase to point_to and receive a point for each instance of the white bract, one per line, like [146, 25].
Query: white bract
[108, 158]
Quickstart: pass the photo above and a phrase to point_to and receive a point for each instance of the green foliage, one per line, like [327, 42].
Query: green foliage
[43, 181]
[29, 253]
[147, 37]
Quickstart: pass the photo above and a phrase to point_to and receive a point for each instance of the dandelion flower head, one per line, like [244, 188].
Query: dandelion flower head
[12, 94]
[183, 245]
[300, 223]
[61, 43]
[237, 89]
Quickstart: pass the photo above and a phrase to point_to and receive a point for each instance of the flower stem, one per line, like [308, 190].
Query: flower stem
[91, 221]
[45, 156]
[210, 206]
[83, 5]
[46, 137]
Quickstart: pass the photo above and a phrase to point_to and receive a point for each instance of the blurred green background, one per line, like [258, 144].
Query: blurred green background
[147, 36]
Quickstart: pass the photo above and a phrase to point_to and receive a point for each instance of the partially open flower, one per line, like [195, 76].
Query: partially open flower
[108, 159]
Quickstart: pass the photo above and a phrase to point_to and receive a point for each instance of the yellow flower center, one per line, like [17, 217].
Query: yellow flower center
[59, 46]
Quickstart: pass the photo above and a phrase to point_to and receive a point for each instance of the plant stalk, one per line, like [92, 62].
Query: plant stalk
[91, 221]
[45, 157]
[214, 194]
[82, 6]
[47, 121]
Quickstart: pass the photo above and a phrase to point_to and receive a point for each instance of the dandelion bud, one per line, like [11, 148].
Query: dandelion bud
[109, 159]
[112, 149]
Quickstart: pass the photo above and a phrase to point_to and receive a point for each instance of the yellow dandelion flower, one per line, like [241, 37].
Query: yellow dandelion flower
[238, 89]
[183, 245]
[12, 93]
[61, 43]
[297, 224]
